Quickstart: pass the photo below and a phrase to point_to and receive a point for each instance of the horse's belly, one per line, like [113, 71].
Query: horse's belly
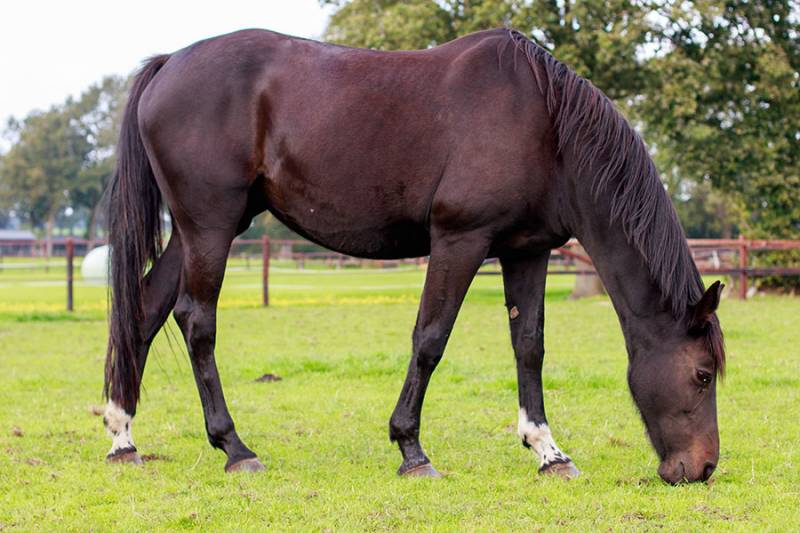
[389, 241]
[355, 224]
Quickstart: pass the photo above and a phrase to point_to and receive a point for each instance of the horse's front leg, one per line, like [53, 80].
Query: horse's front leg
[524, 281]
[453, 262]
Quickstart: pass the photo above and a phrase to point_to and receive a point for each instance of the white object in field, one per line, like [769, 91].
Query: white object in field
[94, 267]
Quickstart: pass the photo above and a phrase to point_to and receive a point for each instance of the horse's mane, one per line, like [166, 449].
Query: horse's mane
[587, 121]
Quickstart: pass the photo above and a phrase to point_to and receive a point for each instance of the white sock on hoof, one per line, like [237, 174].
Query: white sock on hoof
[118, 423]
[539, 438]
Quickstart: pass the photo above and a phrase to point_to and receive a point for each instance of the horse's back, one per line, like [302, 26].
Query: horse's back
[356, 149]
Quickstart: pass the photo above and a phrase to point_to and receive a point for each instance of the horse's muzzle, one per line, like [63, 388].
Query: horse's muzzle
[676, 471]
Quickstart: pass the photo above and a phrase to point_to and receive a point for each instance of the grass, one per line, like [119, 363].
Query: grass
[341, 343]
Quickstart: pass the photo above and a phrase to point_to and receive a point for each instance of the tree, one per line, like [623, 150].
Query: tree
[389, 24]
[704, 211]
[97, 115]
[726, 108]
[64, 157]
[726, 105]
[42, 166]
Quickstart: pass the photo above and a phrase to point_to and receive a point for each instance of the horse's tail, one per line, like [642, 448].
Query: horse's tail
[134, 226]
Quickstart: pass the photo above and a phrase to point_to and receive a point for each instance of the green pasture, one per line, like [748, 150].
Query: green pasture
[341, 341]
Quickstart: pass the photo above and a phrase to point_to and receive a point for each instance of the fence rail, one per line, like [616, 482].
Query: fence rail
[724, 257]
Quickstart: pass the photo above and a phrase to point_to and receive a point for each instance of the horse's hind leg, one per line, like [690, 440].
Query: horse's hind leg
[524, 281]
[453, 263]
[160, 292]
[205, 256]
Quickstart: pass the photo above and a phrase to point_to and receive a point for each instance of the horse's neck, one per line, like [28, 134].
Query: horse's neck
[638, 301]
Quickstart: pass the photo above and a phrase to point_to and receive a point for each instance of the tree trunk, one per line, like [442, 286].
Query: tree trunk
[48, 235]
[587, 282]
[90, 230]
[726, 230]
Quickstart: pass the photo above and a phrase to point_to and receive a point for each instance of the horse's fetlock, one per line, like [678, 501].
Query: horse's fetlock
[218, 431]
[401, 428]
[118, 424]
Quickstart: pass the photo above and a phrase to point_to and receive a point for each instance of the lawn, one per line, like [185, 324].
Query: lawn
[341, 342]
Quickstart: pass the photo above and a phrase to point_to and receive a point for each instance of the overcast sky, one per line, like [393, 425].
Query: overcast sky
[52, 49]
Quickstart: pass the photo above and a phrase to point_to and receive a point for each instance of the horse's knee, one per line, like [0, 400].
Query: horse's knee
[529, 354]
[429, 348]
[218, 428]
[402, 427]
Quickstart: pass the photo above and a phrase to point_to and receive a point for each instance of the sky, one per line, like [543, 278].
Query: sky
[52, 49]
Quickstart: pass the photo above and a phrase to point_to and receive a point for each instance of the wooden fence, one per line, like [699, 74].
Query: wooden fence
[723, 257]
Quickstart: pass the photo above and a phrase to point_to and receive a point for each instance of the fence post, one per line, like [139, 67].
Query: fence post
[265, 271]
[743, 260]
[70, 253]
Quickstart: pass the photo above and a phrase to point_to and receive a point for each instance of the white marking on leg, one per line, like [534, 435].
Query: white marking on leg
[118, 423]
[539, 438]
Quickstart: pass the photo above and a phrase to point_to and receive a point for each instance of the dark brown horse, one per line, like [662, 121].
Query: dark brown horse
[483, 147]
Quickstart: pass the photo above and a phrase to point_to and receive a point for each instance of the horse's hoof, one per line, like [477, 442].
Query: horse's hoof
[423, 470]
[125, 457]
[566, 470]
[246, 465]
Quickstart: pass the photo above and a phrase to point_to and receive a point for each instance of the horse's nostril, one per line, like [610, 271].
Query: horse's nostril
[708, 470]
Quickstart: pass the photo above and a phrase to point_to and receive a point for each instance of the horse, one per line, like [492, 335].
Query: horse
[483, 147]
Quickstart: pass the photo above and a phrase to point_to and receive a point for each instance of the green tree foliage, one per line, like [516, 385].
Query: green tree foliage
[43, 165]
[726, 108]
[726, 104]
[390, 24]
[97, 115]
[63, 157]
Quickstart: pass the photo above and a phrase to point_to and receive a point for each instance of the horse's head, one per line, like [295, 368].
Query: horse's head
[674, 387]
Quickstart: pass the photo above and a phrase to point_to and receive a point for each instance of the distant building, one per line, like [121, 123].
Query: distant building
[16, 242]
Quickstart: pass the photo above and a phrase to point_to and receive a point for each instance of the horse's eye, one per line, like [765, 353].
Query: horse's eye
[704, 377]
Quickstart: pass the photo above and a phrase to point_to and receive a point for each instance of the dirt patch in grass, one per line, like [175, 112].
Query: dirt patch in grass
[155, 457]
[268, 378]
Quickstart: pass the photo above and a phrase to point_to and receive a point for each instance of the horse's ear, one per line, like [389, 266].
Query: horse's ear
[701, 312]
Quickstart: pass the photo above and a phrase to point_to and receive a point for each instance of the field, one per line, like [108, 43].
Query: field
[341, 342]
